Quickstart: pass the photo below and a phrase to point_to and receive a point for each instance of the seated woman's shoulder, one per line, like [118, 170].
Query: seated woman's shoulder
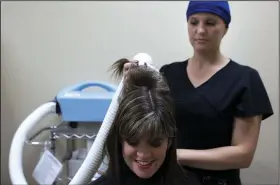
[192, 179]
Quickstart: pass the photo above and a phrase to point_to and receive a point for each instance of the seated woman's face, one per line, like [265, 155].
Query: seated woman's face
[144, 158]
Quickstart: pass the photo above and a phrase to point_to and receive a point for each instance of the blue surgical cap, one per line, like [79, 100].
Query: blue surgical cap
[219, 8]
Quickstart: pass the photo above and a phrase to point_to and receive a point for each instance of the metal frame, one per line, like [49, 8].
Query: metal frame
[81, 131]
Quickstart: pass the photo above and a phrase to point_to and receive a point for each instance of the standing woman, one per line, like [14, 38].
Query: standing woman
[219, 103]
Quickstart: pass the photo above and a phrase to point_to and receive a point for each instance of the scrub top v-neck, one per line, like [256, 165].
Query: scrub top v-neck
[205, 114]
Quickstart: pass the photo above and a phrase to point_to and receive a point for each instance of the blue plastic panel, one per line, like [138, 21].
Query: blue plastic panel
[83, 106]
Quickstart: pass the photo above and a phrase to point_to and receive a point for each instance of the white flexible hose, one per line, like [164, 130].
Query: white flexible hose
[16, 150]
[94, 157]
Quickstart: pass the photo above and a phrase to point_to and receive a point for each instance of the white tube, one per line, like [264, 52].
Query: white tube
[143, 58]
[16, 150]
[94, 157]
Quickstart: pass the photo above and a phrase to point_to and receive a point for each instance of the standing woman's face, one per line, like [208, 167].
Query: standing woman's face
[146, 157]
[206, 31]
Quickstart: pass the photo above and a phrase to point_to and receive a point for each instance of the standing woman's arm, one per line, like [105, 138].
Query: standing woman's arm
[239, 155]
[253, 107]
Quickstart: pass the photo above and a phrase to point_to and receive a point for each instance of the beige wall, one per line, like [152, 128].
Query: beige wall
[46, 46]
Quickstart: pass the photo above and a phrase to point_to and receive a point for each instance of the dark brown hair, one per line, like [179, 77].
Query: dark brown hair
[145, 109]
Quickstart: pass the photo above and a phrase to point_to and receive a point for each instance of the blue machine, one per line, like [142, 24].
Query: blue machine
[78, 105]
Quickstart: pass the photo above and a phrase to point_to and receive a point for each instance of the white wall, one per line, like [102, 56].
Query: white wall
[46, 46]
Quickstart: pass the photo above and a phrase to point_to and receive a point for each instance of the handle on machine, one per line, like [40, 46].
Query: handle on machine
[83, 86]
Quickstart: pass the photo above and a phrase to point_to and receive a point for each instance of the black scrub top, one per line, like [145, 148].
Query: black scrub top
[205, 114]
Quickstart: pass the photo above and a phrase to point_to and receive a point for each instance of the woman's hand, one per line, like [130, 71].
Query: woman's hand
[180, 155]
[128, 65]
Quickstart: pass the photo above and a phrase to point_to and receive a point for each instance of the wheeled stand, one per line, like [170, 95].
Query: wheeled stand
[75, 136]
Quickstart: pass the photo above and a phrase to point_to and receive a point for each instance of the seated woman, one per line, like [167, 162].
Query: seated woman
[141, 144]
